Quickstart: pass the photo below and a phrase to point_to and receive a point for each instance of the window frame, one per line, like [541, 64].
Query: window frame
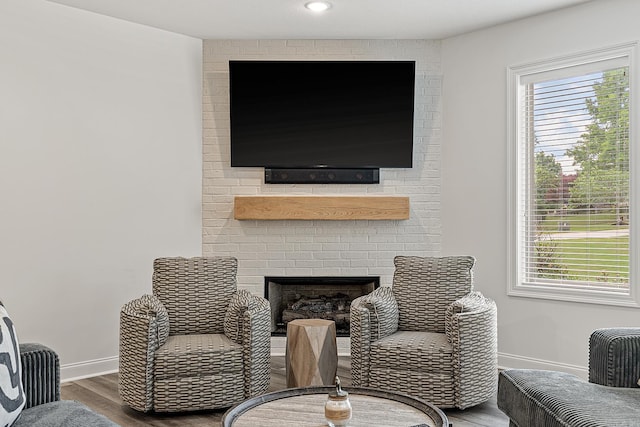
[516, 144]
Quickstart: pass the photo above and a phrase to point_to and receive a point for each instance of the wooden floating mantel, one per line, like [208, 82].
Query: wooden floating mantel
[321, 207]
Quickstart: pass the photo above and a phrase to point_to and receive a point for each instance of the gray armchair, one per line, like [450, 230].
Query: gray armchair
[429, 335]
[197, 342]
[611, 397]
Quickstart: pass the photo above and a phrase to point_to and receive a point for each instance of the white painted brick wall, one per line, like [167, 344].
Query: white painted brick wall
[320, 248]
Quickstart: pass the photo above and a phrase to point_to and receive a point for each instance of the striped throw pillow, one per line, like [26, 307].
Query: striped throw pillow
[11, 393]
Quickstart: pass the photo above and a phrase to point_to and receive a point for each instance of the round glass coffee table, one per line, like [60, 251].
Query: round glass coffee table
[304, 407]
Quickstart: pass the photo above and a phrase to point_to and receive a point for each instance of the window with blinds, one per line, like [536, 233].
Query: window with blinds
[572, 222]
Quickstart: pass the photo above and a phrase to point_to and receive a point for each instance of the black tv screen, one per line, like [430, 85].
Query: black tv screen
[329, 114]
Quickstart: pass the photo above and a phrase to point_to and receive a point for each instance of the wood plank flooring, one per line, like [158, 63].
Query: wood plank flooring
[101, 394]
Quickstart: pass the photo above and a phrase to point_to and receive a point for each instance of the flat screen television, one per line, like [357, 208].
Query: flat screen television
[322, 114]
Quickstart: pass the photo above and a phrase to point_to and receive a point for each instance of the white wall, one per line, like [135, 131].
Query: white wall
[532, 332]
[100, 171]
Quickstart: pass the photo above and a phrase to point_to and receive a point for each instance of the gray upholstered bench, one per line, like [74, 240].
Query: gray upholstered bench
[535, 398]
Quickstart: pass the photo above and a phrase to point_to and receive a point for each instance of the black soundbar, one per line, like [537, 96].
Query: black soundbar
[321, 176]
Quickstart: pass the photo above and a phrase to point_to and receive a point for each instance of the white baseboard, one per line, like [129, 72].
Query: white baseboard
[89, 368]
[108, 365]
[514, 361]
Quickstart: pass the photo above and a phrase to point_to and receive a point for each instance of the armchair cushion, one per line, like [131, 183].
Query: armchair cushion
[197, 354]
[417, 362]
[420, 351]
[195, 291]
[12, 398]
[199, 371]
[424, 287]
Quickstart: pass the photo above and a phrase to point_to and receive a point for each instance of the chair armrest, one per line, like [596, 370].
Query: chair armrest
[614, 357]
[372, 317]
[248, 322]
[382, 312]
[471, 327]
[144, 327]
[40, 374]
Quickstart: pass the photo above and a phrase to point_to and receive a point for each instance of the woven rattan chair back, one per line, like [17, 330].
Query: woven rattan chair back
[425, 286]
[195, 291]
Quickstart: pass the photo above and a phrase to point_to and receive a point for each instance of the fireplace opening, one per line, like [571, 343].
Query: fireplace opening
[315, 298]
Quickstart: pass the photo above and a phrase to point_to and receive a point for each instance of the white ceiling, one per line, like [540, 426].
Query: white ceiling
[347, 19]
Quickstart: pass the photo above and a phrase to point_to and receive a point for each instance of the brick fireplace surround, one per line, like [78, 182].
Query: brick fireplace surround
[317, 247]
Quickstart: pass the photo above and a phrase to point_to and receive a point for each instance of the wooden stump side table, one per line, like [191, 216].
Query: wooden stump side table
[312, 352]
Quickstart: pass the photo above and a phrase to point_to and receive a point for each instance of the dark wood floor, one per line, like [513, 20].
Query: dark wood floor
[101, 394]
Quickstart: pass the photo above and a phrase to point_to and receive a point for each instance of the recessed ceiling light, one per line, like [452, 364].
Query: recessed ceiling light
[318, 6]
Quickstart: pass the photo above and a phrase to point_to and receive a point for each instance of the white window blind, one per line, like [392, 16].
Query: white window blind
[573, 222]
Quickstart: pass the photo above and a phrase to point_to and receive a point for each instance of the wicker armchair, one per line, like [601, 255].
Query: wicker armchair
[429, 335]
[197, 343]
